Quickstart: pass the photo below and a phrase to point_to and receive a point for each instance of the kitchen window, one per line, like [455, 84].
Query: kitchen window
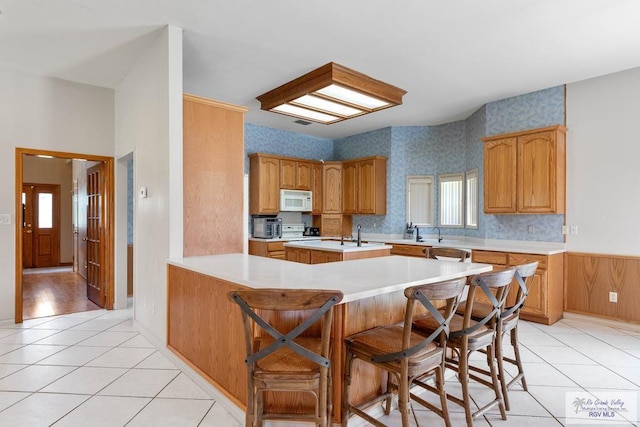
[451, 200]
[471, 190]
[420, 200]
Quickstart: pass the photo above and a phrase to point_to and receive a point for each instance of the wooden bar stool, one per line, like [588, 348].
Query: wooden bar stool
[442, 252]
[288, 360]
[508, 323]
[405, 355]
[468, 335]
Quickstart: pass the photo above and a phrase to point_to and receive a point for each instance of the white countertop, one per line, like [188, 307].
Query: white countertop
[336, 246]
[517, 246]
[357, 279]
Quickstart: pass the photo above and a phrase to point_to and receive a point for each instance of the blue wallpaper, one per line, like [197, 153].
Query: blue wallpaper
[261, 139]
[433, 150]
[529, 111]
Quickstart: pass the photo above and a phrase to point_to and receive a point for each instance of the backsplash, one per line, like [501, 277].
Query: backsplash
[432, 150]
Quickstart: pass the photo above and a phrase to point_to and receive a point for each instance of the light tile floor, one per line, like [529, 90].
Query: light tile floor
[95, 369]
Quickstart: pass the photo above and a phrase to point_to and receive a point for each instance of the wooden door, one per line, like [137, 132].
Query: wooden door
[27, 226]
[349, 187]
[500, 176]
[96, 290]
[41, 225]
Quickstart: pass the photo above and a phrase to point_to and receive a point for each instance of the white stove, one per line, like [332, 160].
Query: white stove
[291, 231]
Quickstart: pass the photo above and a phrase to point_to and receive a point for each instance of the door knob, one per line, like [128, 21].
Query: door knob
[29, 231]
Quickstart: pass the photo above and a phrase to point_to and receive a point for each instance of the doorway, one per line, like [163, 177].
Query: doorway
[102, 239]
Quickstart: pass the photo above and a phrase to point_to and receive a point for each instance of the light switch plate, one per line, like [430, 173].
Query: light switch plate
[5, 219]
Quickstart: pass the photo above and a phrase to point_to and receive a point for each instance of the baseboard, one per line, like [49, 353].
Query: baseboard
[634, 327]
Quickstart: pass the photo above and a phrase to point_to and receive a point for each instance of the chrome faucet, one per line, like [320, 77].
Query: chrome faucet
[439, 236]
[418, 236]
[359, 238]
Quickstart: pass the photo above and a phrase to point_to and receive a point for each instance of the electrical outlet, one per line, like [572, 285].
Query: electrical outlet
[5, 219]
[613, 297]
[565, 229]
[574, 229]
[531, 229]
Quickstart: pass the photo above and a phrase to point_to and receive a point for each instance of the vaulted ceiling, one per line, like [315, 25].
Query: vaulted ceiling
[450, 56]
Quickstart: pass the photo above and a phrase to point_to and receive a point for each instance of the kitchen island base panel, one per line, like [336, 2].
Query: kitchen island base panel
[198, 299]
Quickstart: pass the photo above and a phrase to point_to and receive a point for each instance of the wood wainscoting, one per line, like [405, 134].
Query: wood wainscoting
[590, 278]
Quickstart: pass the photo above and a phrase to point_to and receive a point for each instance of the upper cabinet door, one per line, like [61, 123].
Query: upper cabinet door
[264, 185]
[349, 187]
[303, 175]
[332, 187]
[317, 188]
[500, 176]
[288, 169]
[372, 186]
[537, 177]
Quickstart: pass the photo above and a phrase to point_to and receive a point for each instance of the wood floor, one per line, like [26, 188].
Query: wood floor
[50, 293]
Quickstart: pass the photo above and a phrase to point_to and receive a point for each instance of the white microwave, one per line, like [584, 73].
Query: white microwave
[296, 201]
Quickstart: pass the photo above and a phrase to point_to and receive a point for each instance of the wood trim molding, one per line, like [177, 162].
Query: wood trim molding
[525, 132]
[214, 103]
[108, 214]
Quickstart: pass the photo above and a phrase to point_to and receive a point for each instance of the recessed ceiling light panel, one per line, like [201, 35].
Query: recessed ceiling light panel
[330, 94]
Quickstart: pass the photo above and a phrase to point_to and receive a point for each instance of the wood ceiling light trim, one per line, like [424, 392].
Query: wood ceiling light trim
[327, 75]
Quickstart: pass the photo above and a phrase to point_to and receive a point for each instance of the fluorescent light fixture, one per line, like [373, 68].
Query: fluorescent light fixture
[292, 110]
[330, 94]
[312, 101]
[353, 97]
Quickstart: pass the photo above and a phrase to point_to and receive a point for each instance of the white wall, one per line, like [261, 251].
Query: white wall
[149, 124]
[603, 149]
[49, 114]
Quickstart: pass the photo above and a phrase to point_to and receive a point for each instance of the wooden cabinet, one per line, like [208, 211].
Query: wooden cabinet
[334, 224]
[316, 187]
[267, 249]
[332, 188]
[319, 256]
[409, 250]
[545, 302]
[264, 184]
[364, 186]
[350, 187]
[298, 255]
[213, 159]
[525, 172]
[295, 174]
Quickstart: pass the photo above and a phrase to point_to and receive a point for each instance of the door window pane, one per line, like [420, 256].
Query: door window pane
[45, 210]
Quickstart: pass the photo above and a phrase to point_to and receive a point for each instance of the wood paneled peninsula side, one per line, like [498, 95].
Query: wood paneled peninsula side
[204, 327]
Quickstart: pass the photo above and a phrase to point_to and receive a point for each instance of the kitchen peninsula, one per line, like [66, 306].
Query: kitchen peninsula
[204, 327]
[319, 252]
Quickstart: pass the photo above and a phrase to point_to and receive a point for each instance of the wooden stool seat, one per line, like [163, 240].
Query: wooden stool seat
[467, 335]
[404, 356]
[294, 355]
